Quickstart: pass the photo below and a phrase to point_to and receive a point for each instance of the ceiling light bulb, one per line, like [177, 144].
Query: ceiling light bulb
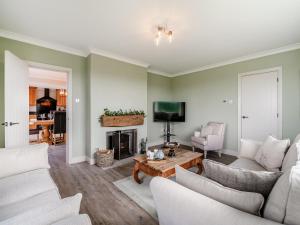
[157, 40]
[159, 31]
[170, 36]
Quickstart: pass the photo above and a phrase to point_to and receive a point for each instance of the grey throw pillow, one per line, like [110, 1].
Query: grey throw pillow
[246, 201]
[241, 179]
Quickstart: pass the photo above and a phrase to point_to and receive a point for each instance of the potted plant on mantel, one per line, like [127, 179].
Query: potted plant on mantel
[122, 118]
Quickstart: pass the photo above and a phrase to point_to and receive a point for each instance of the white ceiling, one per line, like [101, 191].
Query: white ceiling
[47, 74]
[47, 78]
[205, 31]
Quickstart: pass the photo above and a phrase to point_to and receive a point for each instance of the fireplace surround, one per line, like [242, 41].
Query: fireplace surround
[124, 143]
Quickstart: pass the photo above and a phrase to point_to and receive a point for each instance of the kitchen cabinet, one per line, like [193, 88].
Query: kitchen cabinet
[32, 96]
[61, 99]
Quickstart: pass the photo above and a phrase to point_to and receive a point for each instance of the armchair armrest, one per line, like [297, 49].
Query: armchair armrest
[23, 159]
[177, 205]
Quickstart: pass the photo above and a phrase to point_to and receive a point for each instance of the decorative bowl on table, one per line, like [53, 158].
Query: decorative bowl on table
[155, 155]
[172, 146]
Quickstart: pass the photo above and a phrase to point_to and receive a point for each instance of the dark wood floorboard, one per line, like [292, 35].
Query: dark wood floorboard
[102, 201]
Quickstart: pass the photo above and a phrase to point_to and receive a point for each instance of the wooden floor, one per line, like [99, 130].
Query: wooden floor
[102, 201]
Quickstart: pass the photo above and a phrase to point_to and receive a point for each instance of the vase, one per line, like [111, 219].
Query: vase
[160, 154]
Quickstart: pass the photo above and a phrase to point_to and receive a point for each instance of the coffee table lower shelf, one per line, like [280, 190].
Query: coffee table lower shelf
[166, 168]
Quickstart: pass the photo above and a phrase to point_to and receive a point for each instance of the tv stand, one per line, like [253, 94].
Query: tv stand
[168, 132]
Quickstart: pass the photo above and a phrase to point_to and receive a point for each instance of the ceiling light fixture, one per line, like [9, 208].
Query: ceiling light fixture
[163, 30]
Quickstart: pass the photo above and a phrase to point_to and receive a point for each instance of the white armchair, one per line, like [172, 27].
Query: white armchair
[211, 138]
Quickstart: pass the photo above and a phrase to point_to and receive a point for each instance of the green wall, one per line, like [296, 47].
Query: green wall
[101, 82]
[47, 56]
[159, 89]
[204, 91]
[114, 85]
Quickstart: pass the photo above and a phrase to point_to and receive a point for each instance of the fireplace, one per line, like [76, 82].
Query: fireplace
[124, 143]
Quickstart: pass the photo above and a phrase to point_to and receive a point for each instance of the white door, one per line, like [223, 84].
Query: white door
[259, 112]
[16, 89]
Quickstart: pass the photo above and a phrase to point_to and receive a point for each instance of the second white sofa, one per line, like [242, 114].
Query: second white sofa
[28, 195]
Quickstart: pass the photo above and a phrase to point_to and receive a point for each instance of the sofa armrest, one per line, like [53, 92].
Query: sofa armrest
[23, 159]
[177, 205]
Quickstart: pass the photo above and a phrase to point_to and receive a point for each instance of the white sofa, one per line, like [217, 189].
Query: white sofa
[178, 205]
[28, 195]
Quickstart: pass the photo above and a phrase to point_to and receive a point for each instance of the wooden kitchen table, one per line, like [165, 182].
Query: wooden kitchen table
[166, 168]
[45, 124]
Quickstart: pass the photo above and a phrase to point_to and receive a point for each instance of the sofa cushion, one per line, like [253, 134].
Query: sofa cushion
[16, 208]
[247, 164]
[292, 216]
[249, 148]
[82, 219]
[22, 159]
[290, 158]
[245, 201]
[48, 213]
[271, 153]
[241, 179]
[199, 140]
[22, 186]
[276, 203]
[297, 139]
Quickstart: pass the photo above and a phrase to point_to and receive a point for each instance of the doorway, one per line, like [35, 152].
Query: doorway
[17, 105]
[47, 110]
[58, 82]
[260, 104]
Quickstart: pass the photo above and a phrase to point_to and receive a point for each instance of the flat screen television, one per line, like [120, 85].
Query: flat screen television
[169, 111]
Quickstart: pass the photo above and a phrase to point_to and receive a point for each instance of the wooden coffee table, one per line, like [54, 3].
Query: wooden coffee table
[166, 168]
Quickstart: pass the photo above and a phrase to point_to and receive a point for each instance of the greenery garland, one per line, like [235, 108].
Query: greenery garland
[120, 112]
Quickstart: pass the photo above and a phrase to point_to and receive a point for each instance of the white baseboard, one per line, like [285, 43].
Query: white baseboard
[91, 161]
[78, 159]
[230, 152]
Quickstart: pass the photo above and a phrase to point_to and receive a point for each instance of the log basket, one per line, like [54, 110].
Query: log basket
[104, 157]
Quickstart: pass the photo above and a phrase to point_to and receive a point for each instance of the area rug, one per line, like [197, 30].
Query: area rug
[139, 193]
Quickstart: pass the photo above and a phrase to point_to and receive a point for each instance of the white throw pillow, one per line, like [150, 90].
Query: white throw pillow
[205, 131]
[48, 213]
[249, 148]
[23, 159]
[271, 153]
[197, 133]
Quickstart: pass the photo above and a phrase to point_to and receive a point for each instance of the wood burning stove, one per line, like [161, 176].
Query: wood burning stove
[124, 143]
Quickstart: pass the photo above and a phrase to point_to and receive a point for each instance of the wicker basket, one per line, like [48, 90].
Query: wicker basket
[104, 157]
